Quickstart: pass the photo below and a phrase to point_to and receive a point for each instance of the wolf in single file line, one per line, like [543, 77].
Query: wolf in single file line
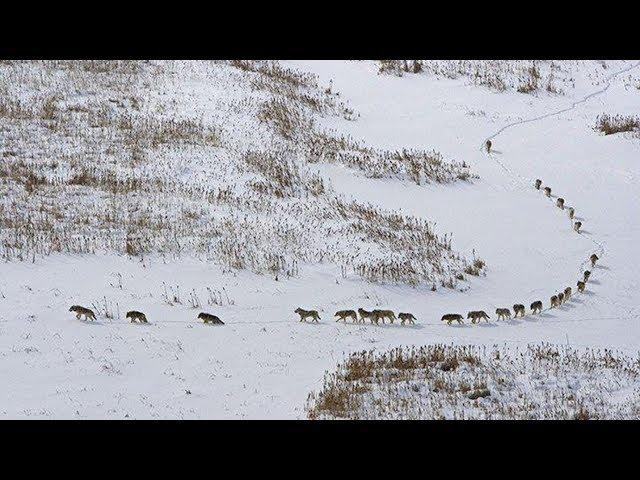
[304, 314]
[586, 275]
[137, 316]
[488, 146]
[344, 314]
[209, 318]
[594, 258]
[452, 317]
[554, 301]
[503, 313]
[78, 310]
[576, 226]
[384, 314]
[406, 317]
[536, 307]
[567, 293]
[364, 314]
[572, 212]
[547, 191]
[581, 286]
[538, 184]
[518, 308]
[560, 203]
[477, 315]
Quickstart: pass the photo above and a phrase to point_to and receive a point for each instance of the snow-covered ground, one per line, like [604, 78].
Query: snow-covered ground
[263, 362]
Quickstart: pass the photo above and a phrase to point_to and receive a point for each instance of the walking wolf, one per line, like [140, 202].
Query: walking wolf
[304, 314]
[78, 310]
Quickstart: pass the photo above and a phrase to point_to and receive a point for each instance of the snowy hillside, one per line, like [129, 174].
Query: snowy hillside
[248, 189]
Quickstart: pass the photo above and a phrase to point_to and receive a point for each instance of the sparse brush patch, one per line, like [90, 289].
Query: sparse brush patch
[522, 76]
[472, 382]
[610, 125]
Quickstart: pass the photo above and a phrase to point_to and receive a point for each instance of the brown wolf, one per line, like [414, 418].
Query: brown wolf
[385, 314]
[135, 315]
[451, 317]
[560, 298]
[406, 317]
[488, 145]
[364, 314]
[304, 314]
[560, 203]
[344, 314]
[576, 226]
[547, 191]
[586, 274]
[503, 313]
[567, 293]
[518, 308]
[536, 307]
[554, 301]
[580, 286]
[538, 184]
[78, 310]
[572, 212]
[209, 318]
[594, 258]
[477, 315]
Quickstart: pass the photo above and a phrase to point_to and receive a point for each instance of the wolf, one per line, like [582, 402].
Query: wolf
[385, 314]
[572, 212]
[547, 191]
[135, 315]
[503, 313]
[488, 146]
[594, 258]
[586, 274]
[554, 301]
[518, 308]
[560, 298]
[477, 315]
[304, 314]
[536, 307]
[581, 286]
[567, 293]
[209, 318]
[560, 203]
[78, 310]
[538, 184]
[576, 226]
[406, 317]
[451, 317]
[344, 314]
[364, 314]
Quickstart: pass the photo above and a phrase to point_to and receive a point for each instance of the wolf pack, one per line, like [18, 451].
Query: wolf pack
[476, 316]
[374, 316]
[382, 316]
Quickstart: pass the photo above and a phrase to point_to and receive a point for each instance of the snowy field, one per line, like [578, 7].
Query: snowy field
[263, 362]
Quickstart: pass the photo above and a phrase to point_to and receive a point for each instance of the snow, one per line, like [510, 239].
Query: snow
[263, 362]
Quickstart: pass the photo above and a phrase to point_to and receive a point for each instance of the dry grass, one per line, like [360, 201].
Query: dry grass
[458, 382]
[121, 157]
[520, 75]
[610, 125]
